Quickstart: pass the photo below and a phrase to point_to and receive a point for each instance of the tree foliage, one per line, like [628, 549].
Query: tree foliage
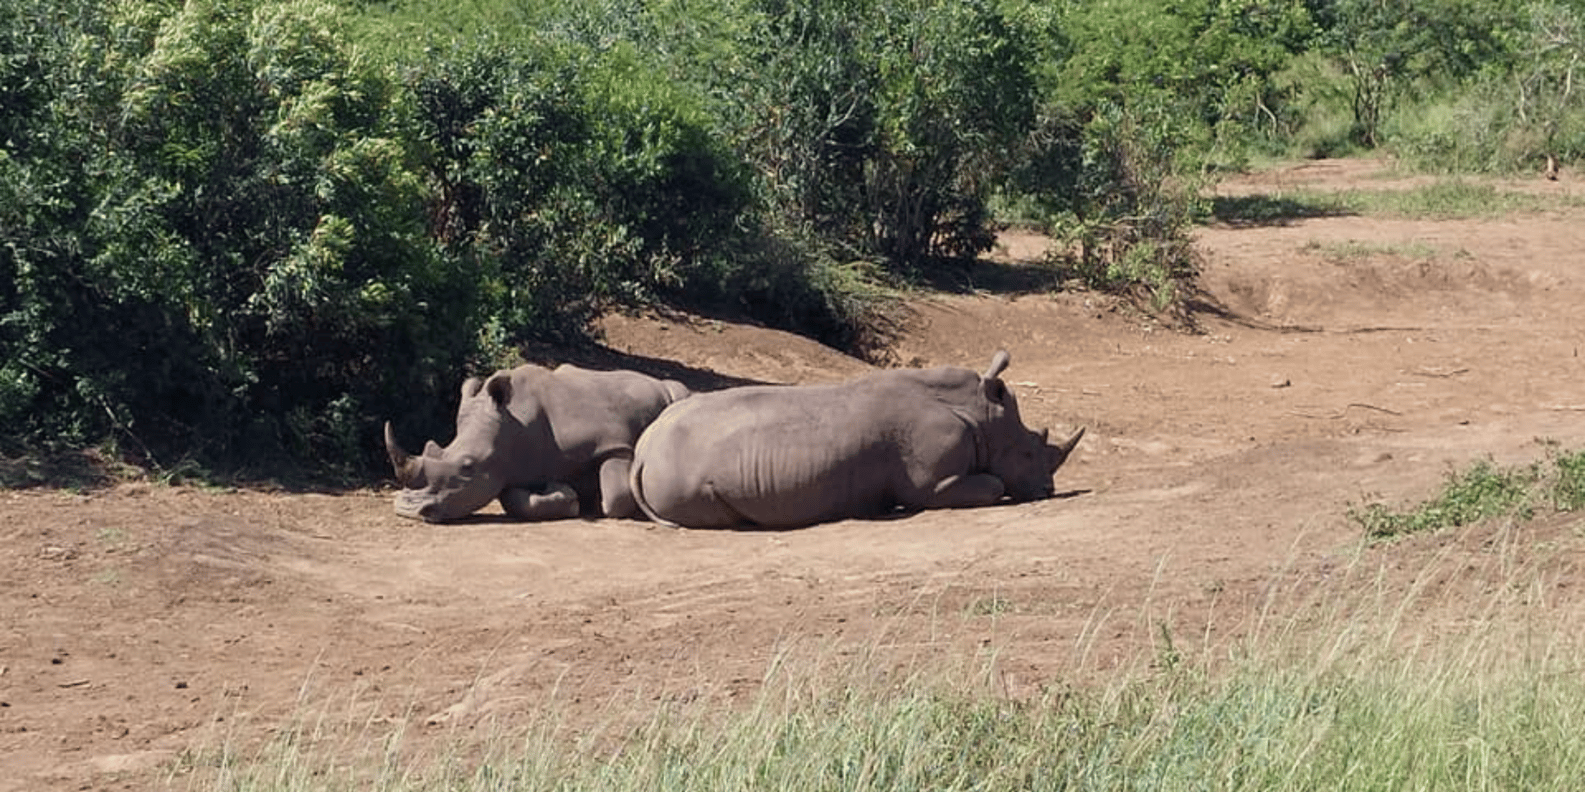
[220, 239]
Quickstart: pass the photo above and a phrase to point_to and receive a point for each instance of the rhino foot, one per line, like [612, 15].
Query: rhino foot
[556, 501]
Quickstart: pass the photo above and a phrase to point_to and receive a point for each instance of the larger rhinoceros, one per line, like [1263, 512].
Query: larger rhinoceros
[789, 456]
[549, 444]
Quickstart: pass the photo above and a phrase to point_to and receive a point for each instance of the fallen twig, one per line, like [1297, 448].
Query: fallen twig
[1340, 413]
[1365, 406]
[1443, 374]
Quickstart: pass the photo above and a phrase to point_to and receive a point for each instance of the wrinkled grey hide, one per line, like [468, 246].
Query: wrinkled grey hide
[548, 444]
[788, 456]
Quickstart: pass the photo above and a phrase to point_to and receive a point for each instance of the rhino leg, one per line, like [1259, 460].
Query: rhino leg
[556, 501]
[616, 493]
[960, 492]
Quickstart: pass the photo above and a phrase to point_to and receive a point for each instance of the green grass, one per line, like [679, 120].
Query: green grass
[1342, 716]
[1484, 491]
[1354, 689]
[1448, 199]
[1355, 249]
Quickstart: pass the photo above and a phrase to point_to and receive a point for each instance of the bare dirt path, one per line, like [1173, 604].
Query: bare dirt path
[143, 626]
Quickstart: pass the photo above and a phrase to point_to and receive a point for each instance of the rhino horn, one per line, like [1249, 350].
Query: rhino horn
[405, 464]
[1067, 446]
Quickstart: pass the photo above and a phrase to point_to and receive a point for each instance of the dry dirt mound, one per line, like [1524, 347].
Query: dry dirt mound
[142, 626]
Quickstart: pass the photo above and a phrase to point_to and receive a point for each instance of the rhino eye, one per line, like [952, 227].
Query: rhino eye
[466, 468]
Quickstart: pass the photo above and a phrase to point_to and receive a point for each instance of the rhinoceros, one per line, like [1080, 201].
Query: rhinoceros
[789, 456]
[549, 444]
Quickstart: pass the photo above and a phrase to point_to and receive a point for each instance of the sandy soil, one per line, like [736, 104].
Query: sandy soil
[1342, 358]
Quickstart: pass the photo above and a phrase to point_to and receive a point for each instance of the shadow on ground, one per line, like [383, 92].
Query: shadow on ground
[597, 356]
[1257, 211]
[984, 276]
[63, 470]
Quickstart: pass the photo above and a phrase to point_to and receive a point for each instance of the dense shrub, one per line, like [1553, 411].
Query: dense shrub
[883, 125]
[573, 179]
[1126, 224]
[1215, 61]
[215, 240]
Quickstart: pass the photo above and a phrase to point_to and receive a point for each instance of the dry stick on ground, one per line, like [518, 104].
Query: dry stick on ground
[1344, 411]
[1422, 372]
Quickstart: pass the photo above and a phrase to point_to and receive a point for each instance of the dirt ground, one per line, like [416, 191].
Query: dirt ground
[1342, 358]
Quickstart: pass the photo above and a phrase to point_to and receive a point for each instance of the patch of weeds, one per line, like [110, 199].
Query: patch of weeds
[994, 605]
[1483, 492]
[1168, 657]
[186, 471]
[1568, 489]
[1357, 249]
[1449, 199]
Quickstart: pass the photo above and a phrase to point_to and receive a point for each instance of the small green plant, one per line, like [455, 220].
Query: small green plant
[1481, 492]
[992, 605]
[1568, 488]
[1484, 491]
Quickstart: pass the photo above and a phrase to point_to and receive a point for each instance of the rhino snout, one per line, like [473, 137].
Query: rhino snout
[419, 505]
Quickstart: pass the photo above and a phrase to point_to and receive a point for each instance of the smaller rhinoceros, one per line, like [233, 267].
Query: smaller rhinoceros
[548, 444]
[789, 456]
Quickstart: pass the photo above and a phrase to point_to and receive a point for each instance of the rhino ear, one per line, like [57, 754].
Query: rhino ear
[995, 390]
[471, 386]
[499, 386]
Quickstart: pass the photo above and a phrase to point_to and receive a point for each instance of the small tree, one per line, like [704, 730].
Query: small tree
[1126, 226]
[885, 124]
[1552, 59]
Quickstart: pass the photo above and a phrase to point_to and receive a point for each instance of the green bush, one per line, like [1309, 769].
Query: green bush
[222, 257]
[570, 179]
[1126, 225]
[883, 125]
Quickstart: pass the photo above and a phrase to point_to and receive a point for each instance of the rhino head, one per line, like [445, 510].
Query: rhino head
[452, 482]
[1024, 460]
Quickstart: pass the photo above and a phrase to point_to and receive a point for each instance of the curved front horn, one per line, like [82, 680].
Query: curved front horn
[405, 464]
[1066, 446]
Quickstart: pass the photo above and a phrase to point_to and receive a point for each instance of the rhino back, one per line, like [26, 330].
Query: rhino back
[790, 456]
[571, 417]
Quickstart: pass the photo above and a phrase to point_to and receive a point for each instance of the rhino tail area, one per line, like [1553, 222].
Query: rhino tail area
[634, 477]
